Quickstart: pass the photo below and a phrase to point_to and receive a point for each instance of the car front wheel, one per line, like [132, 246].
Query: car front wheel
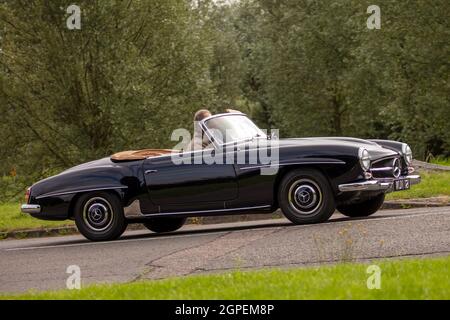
[99, 216]
[305, 196]
[362, 209]
[160, 225]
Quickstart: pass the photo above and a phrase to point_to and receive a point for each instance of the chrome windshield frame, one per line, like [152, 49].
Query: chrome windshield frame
[211, 136]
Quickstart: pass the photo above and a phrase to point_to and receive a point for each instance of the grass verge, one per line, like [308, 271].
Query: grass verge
[12, 219]
[400, 279]
[433, 184]
[441, 161]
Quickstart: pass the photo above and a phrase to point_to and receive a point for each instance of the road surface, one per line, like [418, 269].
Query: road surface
[42, 263]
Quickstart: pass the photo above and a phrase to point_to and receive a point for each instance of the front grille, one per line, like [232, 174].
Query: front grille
[387, 168]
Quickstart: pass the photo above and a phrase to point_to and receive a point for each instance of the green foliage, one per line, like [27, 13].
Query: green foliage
[441, 161]
[133, 73]
[434, 184]
[11, 219]
[320, 71]
[139, 69]
[401, 279]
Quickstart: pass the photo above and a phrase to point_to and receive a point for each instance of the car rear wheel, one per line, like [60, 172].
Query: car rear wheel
[305, 196]
[160, 225]
[99, 216]
[363, 209]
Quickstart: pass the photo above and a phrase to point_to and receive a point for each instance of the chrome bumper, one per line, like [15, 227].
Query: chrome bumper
[30, 208]
[386, 185]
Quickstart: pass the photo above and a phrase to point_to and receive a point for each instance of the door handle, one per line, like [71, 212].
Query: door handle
[150, 171]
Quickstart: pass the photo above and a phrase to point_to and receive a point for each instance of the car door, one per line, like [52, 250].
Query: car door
[196, 186]
[256, 188]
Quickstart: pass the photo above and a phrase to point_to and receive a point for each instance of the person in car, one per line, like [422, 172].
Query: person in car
[199, 140]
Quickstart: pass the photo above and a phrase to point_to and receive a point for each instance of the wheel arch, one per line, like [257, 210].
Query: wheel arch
[284, 170]
[114, 191]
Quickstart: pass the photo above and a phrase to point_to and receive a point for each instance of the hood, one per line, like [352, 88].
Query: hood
[375, 150]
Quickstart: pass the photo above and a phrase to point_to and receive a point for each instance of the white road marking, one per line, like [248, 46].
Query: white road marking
[199, 234]
[112, 242]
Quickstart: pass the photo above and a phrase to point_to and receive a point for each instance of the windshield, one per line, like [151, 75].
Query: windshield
[233, 128]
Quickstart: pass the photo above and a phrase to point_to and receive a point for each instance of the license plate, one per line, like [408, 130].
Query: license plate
[401, 184]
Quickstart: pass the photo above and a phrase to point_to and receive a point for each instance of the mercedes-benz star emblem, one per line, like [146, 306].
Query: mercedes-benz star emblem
[97, 214]
[304, 196]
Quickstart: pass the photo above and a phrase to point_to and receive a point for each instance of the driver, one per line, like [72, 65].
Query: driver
[199, 141]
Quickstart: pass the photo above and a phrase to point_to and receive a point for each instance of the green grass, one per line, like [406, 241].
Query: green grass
[433, 184]
[400, 279]
[12, 219]
[441, 161]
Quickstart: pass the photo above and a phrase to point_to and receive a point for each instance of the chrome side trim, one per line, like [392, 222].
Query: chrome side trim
[77, 191]
[288, 164]
[30, 208]
[259, 166]
[376, 185]
[217, 210]
[133, 211]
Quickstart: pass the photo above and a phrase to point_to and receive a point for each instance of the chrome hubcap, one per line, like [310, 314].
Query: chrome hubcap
[305, 196]
[97, 214]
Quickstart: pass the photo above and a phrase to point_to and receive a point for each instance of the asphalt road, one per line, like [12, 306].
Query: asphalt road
[42, 263]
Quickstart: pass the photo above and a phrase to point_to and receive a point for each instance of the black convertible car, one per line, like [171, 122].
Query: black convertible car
[313, 178]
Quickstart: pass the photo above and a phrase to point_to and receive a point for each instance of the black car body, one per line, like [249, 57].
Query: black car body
[320, 174]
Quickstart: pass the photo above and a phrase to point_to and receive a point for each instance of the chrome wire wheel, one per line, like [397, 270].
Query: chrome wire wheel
[305, 196]
[98, 214]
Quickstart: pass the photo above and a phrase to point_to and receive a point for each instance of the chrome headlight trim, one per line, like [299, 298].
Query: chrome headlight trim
[407, 154]
[364, 159]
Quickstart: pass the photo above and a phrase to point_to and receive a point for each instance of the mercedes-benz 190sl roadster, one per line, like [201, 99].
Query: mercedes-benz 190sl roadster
[313, 178]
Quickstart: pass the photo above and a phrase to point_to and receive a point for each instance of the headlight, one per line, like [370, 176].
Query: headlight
[407, 154]
[364, 159]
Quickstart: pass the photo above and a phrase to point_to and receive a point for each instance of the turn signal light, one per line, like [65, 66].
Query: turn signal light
[367, 175]
[27, 195]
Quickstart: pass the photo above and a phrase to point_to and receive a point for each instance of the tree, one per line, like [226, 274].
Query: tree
[134, 72]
